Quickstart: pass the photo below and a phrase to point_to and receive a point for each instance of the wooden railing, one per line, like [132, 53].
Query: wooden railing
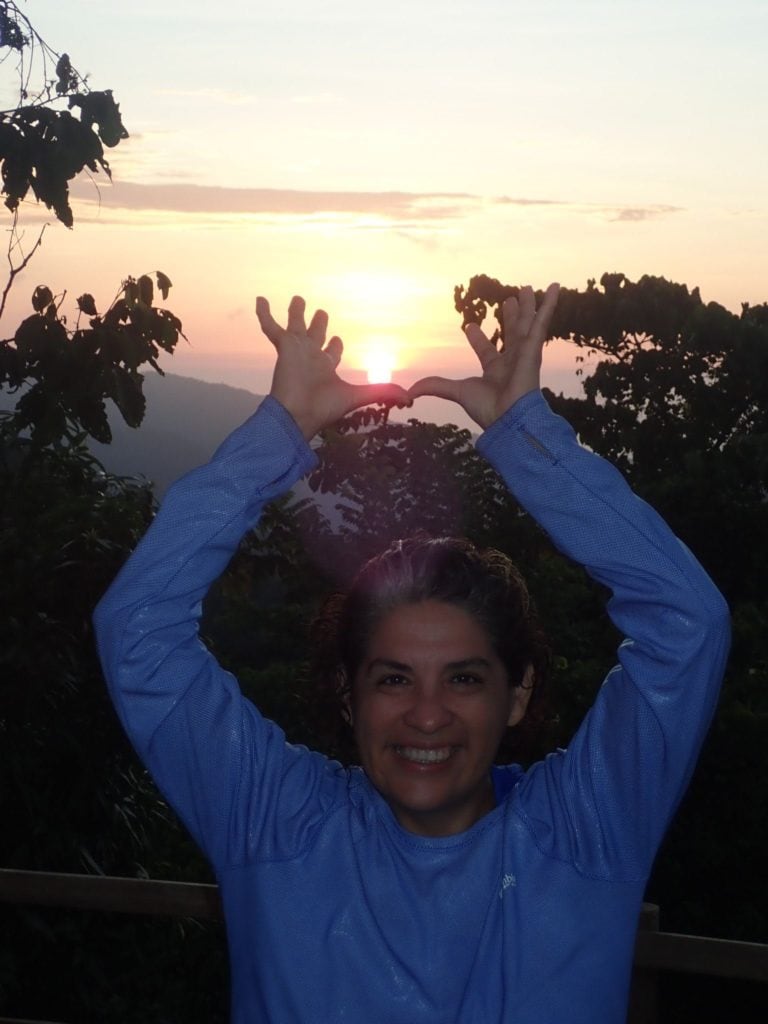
[655, 950]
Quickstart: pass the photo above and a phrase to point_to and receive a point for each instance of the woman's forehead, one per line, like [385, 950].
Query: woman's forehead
[433, 629]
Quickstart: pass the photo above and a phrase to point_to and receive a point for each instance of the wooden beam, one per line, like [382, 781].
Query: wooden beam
[121, 895]
[695, 954]
[654, 950]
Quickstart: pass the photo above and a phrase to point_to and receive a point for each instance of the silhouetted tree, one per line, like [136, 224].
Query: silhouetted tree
[72, 795]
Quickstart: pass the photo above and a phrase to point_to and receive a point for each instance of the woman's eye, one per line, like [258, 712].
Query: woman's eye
[392, 681]
[466, 679]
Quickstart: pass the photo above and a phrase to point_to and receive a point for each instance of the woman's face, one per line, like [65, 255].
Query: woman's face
[430, 704]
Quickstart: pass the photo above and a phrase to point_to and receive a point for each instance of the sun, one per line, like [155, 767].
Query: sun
[378, 367]
[378, 359]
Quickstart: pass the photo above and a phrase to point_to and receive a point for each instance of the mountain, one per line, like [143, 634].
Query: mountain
[186, 420]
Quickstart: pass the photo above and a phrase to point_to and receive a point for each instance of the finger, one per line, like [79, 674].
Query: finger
[509, 312]
[296, 307]
[438, 387]
[378, 394]
[266, 321]
[527, 311]
[333, 350]
[547, 309]
[482, 346]
[318, 325]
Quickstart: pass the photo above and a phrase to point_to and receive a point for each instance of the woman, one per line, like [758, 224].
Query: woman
[426, 886]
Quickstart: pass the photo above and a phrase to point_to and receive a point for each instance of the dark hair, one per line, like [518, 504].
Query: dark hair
[484, 583]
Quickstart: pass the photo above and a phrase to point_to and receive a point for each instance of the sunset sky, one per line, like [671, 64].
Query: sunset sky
[371, 157]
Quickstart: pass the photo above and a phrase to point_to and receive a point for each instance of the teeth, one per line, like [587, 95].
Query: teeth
[424, 756]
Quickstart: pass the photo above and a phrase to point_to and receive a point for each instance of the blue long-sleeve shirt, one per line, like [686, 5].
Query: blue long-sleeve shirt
[334, 912]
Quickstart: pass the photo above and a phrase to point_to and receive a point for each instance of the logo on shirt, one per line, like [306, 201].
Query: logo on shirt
[507, 882]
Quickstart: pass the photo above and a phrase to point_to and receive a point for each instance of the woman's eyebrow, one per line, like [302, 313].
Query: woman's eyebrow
[478, 662]
[394, 666]
[452, 666]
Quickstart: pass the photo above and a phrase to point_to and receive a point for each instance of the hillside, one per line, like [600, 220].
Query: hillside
[185, 421]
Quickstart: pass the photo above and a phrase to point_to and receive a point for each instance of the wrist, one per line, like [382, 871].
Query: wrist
[306, 425]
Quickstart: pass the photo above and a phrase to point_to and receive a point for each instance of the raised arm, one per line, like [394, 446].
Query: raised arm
[223, 767]
[604, 804]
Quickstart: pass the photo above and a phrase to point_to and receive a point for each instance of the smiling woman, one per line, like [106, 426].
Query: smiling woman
[430, 884]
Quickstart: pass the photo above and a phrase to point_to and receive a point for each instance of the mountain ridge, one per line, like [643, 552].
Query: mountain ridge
[185, 421]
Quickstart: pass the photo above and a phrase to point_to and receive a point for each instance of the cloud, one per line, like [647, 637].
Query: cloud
[407, 211]
[639, 213]
[181, 197]
[508, 201]
[627, 214]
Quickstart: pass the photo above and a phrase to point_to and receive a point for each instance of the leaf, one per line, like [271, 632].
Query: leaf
[92, 414]
[128, 395]
[100, 108]
[41, 298]
[86, 304]
[146, 289]
[163, 283]
[66, 74]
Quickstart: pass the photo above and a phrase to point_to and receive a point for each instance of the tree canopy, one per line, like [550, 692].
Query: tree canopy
[71, 794]
[44, 142]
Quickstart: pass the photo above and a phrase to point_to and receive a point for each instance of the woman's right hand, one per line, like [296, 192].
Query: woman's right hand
[305, 381]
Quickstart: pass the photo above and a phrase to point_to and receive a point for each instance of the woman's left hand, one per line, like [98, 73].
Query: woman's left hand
[508, 374]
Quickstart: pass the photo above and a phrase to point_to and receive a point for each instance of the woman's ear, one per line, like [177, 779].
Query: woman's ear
[346, 710]
[344, 691]
[520, 696]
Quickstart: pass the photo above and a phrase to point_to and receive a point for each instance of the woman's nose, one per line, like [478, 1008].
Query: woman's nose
[427, 711]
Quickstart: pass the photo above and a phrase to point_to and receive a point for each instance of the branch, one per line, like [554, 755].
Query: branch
[14, 242]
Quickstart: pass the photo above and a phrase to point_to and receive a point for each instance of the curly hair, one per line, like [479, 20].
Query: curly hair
[484, 583]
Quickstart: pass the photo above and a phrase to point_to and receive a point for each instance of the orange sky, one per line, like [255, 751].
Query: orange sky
[324, 151]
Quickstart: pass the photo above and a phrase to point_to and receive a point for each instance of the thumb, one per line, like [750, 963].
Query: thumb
[381, 394]
[438, 387]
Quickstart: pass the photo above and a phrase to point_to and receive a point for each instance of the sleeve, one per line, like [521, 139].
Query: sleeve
[227, 771]
[604, 804]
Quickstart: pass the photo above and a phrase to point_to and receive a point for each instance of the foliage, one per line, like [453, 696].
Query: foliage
[66, 375]
[65, 527]
[395, 479]
[72, 795]
[668, 367]
[43, 147]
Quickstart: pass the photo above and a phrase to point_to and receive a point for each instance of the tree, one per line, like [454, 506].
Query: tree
[43, 146]
[65, 524]
[72, 796]
[668, 365]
